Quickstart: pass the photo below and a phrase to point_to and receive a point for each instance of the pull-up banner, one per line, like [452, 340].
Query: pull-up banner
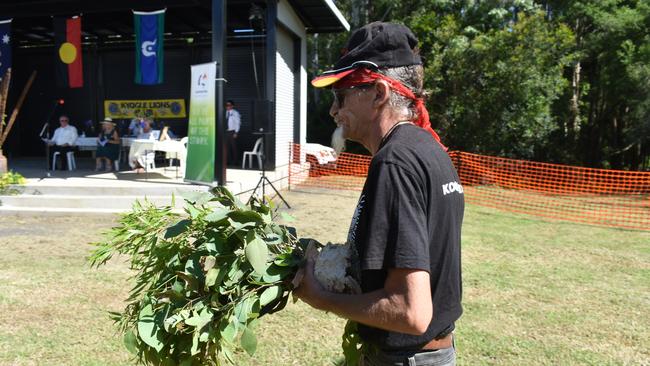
[199, 165]
[149, 36]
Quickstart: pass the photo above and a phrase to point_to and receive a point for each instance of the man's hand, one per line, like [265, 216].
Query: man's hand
[310, 290]
[234, 135]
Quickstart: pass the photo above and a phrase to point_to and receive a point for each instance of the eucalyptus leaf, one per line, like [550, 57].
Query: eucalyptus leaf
[257, 254]
[179, 228]
[286, 217]
[270, 294]
[228, 329]
[131, 342]
[246, 216]
[193, 211]
[217, 215]
[275, 273]
[249, 341]
[196, 197]
[149, 330]
[209, 262]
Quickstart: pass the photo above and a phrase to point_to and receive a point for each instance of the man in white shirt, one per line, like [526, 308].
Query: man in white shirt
[63, 141]
[233, 119]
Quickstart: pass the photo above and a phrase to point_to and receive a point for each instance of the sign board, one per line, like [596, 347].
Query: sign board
[155, 108]
[202, 126]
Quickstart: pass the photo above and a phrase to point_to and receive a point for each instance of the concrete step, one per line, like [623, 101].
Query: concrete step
[109, 202]
[106, 190]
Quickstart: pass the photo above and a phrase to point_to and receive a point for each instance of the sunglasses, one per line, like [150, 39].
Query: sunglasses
[340, 94]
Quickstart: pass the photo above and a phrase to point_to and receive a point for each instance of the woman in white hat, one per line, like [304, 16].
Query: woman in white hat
[108, 146]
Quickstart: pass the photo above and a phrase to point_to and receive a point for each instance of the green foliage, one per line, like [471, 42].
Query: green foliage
[10, 179]
[495, 89]
[551, 80]
[201, 280]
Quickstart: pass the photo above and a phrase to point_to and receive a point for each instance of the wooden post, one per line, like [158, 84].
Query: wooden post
[4, 130]
[19, 104]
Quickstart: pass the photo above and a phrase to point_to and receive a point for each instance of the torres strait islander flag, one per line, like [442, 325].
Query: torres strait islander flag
[149, 28]
[67, 36]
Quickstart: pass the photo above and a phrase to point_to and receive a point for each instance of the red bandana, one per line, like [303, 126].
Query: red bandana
[365, 76]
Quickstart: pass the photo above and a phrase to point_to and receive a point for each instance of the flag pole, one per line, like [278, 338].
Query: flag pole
[218, 56]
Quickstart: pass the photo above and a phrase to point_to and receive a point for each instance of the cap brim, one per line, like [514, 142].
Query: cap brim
[328, 79]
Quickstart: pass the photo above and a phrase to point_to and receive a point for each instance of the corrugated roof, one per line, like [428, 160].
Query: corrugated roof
[112, 21]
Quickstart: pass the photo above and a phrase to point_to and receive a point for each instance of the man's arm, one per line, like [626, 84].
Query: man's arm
[403, 305]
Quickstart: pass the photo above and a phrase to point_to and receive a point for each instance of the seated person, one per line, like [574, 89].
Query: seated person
[147, 131]
[136, 125]
[63, 141]
[139, 160]
[108, 146]
[88, 129]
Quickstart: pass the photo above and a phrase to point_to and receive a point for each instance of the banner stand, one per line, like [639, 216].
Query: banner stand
[199, 167]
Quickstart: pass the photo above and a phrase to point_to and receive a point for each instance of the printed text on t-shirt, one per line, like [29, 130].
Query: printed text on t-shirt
[451, 187]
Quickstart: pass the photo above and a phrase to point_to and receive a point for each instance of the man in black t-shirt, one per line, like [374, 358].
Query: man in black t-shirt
[406, 227]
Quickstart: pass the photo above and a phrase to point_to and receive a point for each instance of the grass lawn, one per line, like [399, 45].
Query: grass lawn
[535, 293]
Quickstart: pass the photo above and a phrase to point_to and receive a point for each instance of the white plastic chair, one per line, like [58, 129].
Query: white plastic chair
[69, 155]
[257, 151]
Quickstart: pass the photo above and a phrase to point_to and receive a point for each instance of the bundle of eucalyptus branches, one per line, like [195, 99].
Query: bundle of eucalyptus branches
[203, 279]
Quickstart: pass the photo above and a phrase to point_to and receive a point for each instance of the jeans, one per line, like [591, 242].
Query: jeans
[441, 357]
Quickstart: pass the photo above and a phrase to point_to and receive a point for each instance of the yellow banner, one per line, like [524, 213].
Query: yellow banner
[155, 108]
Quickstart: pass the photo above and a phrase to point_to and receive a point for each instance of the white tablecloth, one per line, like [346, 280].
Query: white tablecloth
[140, 147]
[323, 154]
[90, 143]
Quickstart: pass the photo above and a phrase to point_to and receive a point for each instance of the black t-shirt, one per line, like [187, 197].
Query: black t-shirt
[409, 215]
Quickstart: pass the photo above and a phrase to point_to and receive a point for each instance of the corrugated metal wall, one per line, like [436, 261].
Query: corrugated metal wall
[285, 103]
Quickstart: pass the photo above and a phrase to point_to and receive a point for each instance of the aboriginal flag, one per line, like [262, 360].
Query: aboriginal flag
[69, 69]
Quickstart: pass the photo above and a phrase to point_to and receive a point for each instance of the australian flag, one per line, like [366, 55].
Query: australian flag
[5, 47]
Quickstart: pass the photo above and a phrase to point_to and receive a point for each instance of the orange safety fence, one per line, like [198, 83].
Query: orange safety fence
[603, 197]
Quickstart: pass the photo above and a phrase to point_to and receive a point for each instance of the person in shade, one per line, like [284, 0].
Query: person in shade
[63, 141]
[108, 146]
[233, 120]
[406, 229]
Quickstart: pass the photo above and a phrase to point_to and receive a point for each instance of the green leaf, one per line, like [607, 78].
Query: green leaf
[192, 282]
[211, 277]
[246, 217]
[217, 215]
[241, 311]
[270, 294]
[131, 342]
[286, 217]
[249, 341]
[209, 262]
[193, 211]
[215, 245]
[199, 198]
[177, 228]
[275, 273]
[256, 253]
[148, 328]
[228, 329]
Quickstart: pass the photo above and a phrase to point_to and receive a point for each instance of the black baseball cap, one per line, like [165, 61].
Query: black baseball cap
[373, 46]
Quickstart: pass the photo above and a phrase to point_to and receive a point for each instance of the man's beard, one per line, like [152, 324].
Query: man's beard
[338, 141]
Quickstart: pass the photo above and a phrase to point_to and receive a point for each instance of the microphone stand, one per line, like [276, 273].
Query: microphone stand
[264, 179]
[46, 130]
